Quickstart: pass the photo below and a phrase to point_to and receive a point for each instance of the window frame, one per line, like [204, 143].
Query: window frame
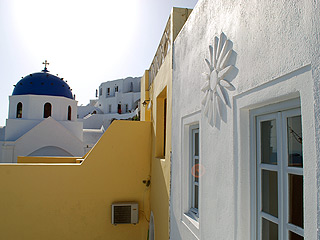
[45, 114]
[193, 211]
[189, 219]
[161, 125]
[131, 87]
[280, 112]
[19, 110]
[69, 113]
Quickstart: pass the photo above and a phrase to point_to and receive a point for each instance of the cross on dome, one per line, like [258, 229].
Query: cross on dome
[45, 66]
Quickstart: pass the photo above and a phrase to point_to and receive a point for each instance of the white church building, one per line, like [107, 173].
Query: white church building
[42, 119]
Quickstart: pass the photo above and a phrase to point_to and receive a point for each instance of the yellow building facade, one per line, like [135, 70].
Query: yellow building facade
[156, 102]
[61, 198]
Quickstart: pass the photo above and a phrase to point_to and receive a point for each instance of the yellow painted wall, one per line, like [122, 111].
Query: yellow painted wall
[73, 201]
[145, 113]
[160, 165]
[179, 17]
[49, 160]
[161, 88]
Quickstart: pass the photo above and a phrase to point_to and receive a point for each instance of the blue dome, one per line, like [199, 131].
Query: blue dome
[43, 83]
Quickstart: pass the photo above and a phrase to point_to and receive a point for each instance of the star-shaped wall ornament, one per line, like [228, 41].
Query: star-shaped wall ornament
[216, 81]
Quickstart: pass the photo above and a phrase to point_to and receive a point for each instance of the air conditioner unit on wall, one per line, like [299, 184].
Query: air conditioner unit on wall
[125, 213]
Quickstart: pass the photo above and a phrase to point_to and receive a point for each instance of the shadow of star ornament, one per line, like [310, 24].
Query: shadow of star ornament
[215, 85]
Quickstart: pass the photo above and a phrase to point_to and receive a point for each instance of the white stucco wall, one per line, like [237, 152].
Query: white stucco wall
[83, 111]
[276, 47]
[125, 94]
[90, 138]
[15, 128]
[32, 114]
[2, 133]
[96, 121]
[33, 107]
[34, 133]
[49, 133]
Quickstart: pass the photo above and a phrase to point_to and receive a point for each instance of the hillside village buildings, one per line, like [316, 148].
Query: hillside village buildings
[118, 99]
[120, 96]
[227, 146]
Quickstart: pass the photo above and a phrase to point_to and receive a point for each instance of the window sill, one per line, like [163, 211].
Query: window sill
[193, 219]
[192, 223]
[161, 158]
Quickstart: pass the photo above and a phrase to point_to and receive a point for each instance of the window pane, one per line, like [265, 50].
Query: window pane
[295, 187]
[295, 142]
[269, 142]
[269, 230]
[196, 161]
[196, 146]
[196, 178]
[293, 236]
[196, 196]
[196, 170]
[269, 192]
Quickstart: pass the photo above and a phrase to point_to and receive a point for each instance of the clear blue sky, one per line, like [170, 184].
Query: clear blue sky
[85, 42]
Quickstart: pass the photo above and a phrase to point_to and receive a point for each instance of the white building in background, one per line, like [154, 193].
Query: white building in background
[119, 96]
[118, 99]
[42, 120]
[245, 115]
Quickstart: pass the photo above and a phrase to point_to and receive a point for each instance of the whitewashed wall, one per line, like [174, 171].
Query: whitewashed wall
[83, 111]
[49, 133]
[50, 136]
[33, 107]
[96, 121]
[32, 132]
[125, 94]
[276, 45]
[32, 114]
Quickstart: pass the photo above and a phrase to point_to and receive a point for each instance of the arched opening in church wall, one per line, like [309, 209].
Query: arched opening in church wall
[19, 110]
[47, 110]
[69, 113]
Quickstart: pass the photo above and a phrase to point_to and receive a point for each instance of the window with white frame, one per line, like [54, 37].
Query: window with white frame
[127, 108]
[194, 170]
[191, 172]
[109, 108]
[279, 176]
